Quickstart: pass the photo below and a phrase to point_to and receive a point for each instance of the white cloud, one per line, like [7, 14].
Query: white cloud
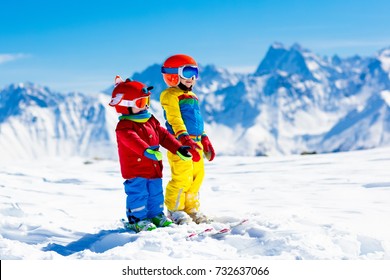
[7, 57]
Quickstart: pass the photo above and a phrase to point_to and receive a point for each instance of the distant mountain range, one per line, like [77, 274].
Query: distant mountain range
[36, 121]
[295, 102]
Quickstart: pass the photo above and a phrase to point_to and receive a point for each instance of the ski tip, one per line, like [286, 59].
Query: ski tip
[224, 230]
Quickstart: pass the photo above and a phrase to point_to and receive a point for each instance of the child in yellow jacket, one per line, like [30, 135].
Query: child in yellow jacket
[184, 121]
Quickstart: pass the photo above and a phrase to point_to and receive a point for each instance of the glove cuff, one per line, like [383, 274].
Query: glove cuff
[182, 134]
[183, 157]
[152, 154]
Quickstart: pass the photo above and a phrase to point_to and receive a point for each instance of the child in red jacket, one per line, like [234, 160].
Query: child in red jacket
[139, 136]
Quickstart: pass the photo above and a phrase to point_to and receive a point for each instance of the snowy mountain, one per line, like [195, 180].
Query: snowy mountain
[362, 128]
[36, 121]
[295, 102]
[294, 99]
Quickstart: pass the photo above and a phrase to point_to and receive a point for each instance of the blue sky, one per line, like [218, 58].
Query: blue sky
[81, 45]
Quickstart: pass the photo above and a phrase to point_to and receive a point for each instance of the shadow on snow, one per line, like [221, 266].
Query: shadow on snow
[98, 243]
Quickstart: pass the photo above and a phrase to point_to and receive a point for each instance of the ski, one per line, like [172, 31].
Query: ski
[209, 231]
[202, 232]
[234, 225]
[228, 229]
[214, 233]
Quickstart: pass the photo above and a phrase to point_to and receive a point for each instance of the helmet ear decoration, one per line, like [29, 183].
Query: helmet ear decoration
[118, 80]
[147, 89]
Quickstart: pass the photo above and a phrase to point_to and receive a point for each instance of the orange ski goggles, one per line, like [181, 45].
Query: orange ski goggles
[139, 103]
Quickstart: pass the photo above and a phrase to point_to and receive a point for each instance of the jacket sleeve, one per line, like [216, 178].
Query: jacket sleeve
[170, 103]
[131, 141]
[166, 139]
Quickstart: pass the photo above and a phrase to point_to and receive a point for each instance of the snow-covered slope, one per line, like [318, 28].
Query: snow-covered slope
[317, 207]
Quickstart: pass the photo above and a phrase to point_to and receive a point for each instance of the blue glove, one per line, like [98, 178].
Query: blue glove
[153, 153]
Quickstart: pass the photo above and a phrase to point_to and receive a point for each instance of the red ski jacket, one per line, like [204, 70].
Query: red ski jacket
[133, 139]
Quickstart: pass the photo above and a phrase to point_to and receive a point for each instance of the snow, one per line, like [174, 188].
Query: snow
[386, 96]
[316, 207]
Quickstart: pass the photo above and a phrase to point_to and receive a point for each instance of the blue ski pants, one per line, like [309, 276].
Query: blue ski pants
[144, 199]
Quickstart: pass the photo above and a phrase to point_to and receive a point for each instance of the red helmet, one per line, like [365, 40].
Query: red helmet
[129, 94]
[172, 64]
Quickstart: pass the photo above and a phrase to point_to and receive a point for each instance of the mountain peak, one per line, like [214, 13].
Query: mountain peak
[23, 95]
[28, 89]
[384, 51]
[278, 45]
[384, 58]
[289, 60]
[298, 47]
[26, 86]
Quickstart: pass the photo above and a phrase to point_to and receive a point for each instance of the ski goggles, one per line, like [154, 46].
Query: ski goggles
[186, 71]
[139, 103]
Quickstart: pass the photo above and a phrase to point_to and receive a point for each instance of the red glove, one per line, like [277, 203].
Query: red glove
[187, 141]
[208, 148]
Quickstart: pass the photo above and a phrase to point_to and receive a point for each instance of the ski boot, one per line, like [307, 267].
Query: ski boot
[179, 217]
[199, 218]
[161, 221]
[144, 225]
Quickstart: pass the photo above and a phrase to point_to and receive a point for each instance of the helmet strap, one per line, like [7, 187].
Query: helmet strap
[130, 111]
[184, 87]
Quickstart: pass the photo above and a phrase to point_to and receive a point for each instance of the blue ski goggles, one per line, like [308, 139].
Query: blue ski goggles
[186, 71]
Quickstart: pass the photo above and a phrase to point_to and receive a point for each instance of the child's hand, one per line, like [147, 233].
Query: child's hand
[183, 153]
[187, 141]
[208, 148]
[153, 154]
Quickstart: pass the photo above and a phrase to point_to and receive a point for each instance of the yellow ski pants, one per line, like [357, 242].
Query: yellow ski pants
[182, 192]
